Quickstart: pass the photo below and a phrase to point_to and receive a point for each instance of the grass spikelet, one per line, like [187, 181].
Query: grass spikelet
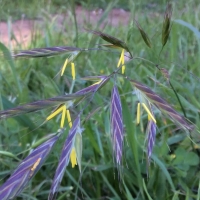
[64, 67]
[115, 41]
[65, 157]
[145, 37]
[42, 104]
[116, 125]
[26, 170]
[94, 87]
[151, 135]
[45, 52]
[165, 73]
[163, 106]
[166, 24]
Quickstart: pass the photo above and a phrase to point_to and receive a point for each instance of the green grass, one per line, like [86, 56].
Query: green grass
[174, 171]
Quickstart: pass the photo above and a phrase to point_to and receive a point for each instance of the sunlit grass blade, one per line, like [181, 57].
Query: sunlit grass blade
[117, 131]
[115, 41]
[45, 52]
[27, 169]
[64, 157]
[39, 105]
[163, 106]
[145, 37]
[166, 24]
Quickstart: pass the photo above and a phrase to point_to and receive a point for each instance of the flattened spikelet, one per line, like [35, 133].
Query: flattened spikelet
[26, 170]
[116, 42]
[166, 24]
[39, 105]
[94, 87]
[64, 158]
[44, 52]
[163, 106]
[144, 35]
[116, 125]
[151, 135]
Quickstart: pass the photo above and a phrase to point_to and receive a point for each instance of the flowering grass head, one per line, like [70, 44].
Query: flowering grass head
[67, 150]
[117, 130]
[70, 112]
[163, 106]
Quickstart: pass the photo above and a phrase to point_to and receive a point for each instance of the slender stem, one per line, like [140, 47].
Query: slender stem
[182, 108]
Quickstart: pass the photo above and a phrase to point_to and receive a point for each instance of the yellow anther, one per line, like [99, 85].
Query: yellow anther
[122, 55]
[55, 113]
[73, 157]
[123, 69]
[138, 113]
[121, 61]
[64, 67]
[149, 113]
[63, 117]
[97, 83]
[35, 166]
[73, 71]
[69, 119]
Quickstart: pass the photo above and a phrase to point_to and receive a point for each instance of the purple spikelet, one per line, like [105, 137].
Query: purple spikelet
[116, 125]
[64, 158]
[26, 170]
[163, 106]
[151, 136]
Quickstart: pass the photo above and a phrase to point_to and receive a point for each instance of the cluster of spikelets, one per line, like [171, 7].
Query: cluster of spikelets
[72, 148]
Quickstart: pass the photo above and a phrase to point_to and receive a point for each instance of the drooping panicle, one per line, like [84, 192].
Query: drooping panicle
[167, 24]
[26, 170]
[163, 106]
[117, 131]
[65, 157]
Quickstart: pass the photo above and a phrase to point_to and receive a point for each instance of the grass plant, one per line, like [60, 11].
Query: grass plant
[122, 104]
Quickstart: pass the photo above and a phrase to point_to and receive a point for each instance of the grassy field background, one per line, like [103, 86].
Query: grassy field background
[174, 170]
